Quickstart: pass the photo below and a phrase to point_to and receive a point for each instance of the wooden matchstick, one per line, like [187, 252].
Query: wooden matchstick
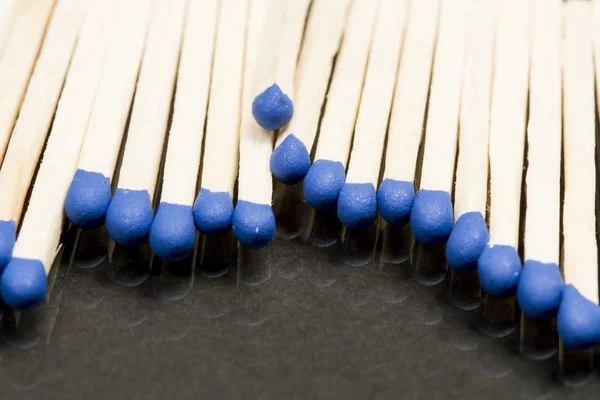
[578, 319]
[90, 191]
[7, 15]
[172, 235]
[291, 158]
[499, 266]
[326, 176]
[357, 202]
[23, 283]
[130, 213]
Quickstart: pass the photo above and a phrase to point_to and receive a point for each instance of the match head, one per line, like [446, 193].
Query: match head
[357, 205]
[395, 200]
[253, 224]
[129, 217]
[432, 217]
[499, 268]
[8, 236]
[578, 320]
[540, 289]
[213, 212]
[323, 183]
[272, 109]
[88, 199]
[173, 234]
[290, 161]
[468, 239]
[23, 284]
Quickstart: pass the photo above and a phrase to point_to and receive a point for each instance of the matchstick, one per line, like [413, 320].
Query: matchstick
[578, 319]
[23, 283]
[326, 176]
[432, 217]
[213, 207]
[469, 236]
[90, 191]
[291, 158]
[7, 15]
[253, 221]
[357, 202]
[540, 286]
[18, 59]
[499, 266]
[130, 214]
[173, 234]
[396, 193]
[37, 110]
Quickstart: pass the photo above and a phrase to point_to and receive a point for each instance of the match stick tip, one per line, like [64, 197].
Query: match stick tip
[213, 212]
[8, 236]
[253, 224]
[468, 239]
[24, 283]
[129, 217]
[272, 109]
[432, 217]
[87, 199]
[323, 183]
[499, 268]
[290, 161]
[173, 234]
[578, 320]
[395, 199]
[540, 289]
[357, 205]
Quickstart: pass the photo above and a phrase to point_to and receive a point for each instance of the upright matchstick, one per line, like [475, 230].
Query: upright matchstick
[396, 193]
[357, 202]
[23, 283]
[578, 319]
[173, 234]
[326, 176]
[540, 286]
[499, 266]
[7, 15]
[90, 191]
[469, 235]
[291, 158]
[432, 217]
[213, 207]
[253, 221]
[16, 65]
[35, 116]
[130, 213]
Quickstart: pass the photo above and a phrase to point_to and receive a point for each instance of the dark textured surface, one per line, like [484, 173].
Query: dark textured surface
[295, 322]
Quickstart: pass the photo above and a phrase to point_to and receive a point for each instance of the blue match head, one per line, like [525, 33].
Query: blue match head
[357, 205]
[23, 284]
[540, 289]
[578, 320]
[253, 224]
[499, 268]
[173, 234]
[468, 239]
[213, 212]
[431, 217]
[8, 236]
[88, 199]
[290, 161]
[272, 109]
[322, 184]
[395, 200]
[129, 217]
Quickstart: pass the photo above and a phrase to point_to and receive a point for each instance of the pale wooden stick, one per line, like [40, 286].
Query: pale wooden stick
[324, 31]
[40, 231]
[129, 216]
[7, 15]
[38, 106]
[17, 62]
